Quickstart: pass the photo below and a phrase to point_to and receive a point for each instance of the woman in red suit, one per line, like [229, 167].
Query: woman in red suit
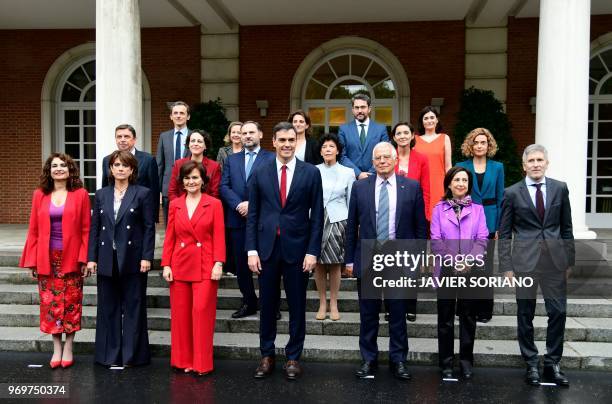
[193, 257]
[56, 251]
[410, 163]
[198, 142]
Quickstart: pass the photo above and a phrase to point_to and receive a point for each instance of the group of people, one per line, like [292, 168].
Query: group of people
[308, 206]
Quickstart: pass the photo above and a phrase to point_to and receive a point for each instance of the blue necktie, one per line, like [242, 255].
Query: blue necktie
[249, 165]
[177, 146]
[382, 221]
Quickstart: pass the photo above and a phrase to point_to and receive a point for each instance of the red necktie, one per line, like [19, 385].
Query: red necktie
[283, 186]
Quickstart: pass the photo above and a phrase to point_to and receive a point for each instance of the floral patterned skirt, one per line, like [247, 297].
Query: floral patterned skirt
[61, 298]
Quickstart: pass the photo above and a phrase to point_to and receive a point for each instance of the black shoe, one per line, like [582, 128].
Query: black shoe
[411, 317]
[483, 320]
[244, 311]
[387, 317]
[466, 370]
[367, 369]
[400, 370]
[447, 373]
[555, 375]
[532, 376]
[278, 315]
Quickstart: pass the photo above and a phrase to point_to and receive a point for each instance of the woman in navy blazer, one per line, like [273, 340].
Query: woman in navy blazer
[488, 191]
[193, 257]
[121, 244]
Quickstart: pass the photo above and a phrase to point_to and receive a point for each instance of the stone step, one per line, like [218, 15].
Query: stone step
[576, 355]
[581, 286]
[499, 328]
[229, 299]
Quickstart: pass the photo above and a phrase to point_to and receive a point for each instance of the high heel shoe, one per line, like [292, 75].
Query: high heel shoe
[67, 364]
[55, 364]
[321, 315]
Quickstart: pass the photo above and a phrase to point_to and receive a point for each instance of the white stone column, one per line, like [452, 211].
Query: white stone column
[118, 73]
[563, 97]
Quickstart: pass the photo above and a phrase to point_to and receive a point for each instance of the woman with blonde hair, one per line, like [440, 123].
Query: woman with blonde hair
[233, 141]
[488, 190]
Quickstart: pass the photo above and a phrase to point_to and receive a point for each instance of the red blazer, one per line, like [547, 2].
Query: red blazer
[418, 169]
[213, 171]
[192, 246]
[75, 232]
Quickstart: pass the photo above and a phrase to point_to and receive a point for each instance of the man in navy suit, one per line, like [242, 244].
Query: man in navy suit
[283, 239]
[237, 171]
[125, 138]
[359, 137]
[383, 207]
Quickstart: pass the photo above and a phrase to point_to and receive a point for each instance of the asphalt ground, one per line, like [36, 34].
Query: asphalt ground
[232, 382]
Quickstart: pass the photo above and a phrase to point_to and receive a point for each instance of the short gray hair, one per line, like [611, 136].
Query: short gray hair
[384, 144]
[534, 148]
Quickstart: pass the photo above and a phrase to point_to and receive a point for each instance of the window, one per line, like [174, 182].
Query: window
[599, 161]
[77, 119]
[341, 75]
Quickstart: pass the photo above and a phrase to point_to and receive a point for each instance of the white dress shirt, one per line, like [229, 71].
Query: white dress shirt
[290, 170]
[365, 128]
[392, 191]
[532, 189]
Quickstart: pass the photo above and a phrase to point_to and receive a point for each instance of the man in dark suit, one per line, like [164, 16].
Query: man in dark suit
[536, 212]
[283, 239]
[171, 147]
[382, 207]
[359, 137]
[237, 171]
[125, 138]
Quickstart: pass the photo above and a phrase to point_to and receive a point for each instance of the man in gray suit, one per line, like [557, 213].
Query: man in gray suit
[171, 147]
[536, 212]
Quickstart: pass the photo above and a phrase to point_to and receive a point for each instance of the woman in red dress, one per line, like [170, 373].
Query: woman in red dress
[198, 142]
[193, 257]
[56, 251]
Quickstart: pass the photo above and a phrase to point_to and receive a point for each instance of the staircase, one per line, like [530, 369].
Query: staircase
[588, 331]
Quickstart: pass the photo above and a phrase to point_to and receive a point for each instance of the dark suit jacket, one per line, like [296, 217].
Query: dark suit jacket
[410, 222]
[353, 154]
[520, 221]
[300, 221]
[234, 186]
[312, 154]
[147, 176]
[165, 158]
[133, 231]
[192, 246]
[492, 190]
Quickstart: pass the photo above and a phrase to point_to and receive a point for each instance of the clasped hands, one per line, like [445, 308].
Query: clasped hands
[309, 264]
[215, 275]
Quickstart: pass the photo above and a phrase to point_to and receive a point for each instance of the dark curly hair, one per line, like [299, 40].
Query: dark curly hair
[331, 137]
[187, 168]
[73, 183]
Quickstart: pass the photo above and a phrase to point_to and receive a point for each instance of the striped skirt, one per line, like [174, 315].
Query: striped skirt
[334, 238]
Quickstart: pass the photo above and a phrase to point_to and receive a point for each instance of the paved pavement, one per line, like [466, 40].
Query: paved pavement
[232, 382]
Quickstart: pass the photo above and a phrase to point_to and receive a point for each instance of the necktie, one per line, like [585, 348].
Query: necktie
[177, 146]
[362, 134]
[249, 165]
[382, 221]
[283, 186]
[539, 201]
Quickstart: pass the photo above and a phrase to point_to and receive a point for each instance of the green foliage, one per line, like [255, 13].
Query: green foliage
[480, 109]
[210, 116]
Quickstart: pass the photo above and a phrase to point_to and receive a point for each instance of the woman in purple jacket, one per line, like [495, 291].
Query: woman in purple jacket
[459, 235]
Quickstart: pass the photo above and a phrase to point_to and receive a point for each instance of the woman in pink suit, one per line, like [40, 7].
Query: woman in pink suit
[458, 229]
[193, 257]
[56, 251]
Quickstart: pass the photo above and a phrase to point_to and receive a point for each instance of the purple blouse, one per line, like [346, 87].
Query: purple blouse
[55, 214]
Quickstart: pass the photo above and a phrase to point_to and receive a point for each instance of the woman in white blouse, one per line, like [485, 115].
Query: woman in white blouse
[337, 183]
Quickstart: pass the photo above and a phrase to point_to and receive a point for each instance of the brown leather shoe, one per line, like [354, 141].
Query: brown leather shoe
[265, 368]
[292, 370]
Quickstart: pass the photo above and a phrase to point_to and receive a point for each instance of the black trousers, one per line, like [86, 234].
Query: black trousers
[121, 324]
[165, 206]
[486, 294]
[239, 260]
[466, 309]
[553, 285]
